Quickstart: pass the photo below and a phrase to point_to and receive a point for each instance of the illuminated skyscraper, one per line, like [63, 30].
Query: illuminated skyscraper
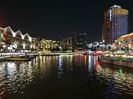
[115, 23]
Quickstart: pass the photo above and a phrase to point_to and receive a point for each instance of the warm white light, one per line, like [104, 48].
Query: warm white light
[24, 46]
[30, 46]
[15, 45]
[10, 48]
[14, 34]
[22, 36]
[4, 46]
[30, 39]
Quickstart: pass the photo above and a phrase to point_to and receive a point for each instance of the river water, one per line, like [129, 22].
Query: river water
[64, 77]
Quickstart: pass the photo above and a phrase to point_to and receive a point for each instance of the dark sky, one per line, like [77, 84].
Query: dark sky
[55, 19]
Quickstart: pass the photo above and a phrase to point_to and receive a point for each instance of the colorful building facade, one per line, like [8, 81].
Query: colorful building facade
[125, 41]
[115, 24]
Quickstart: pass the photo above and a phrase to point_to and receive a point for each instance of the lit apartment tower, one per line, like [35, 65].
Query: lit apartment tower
[115, 23]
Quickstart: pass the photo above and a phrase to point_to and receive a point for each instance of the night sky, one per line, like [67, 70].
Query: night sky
[56, 19]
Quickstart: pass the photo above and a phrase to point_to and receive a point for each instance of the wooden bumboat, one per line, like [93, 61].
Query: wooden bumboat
[124, 63]
[19, 58]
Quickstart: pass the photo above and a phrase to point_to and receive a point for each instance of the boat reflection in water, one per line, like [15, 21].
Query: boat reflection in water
[120, 80]
[64, 77]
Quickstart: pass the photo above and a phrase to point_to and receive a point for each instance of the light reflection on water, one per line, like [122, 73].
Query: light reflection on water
[15, 77]
[60, 68]
[119, 80]
[90, 63]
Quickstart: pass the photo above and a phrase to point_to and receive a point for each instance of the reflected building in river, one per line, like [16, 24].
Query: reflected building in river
[67, 75]
[122, 78]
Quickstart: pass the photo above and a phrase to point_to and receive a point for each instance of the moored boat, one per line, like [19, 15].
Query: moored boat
[116, 61]
[19, 58]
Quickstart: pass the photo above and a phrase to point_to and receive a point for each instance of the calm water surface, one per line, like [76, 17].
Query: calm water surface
[64, 77]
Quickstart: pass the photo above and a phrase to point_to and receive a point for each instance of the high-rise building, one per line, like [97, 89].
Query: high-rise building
[75, 42]
[115, 23]
[79, 41]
